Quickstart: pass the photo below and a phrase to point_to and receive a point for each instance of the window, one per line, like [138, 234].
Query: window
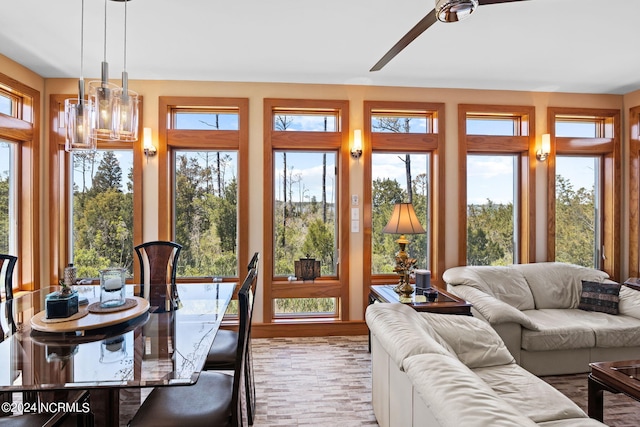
[492, 198]
[206, 213]
[404, 145]
[397, 178]
[19, 177]
[206, 191]
[583, 194]
[306, 159]
[102, 231]
[496, 176]
[8, 199]
[6, 103]
[578, 234]
[98, 195]
[305, 210]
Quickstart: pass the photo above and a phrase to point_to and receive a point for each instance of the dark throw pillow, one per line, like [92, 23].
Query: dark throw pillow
[602, 297]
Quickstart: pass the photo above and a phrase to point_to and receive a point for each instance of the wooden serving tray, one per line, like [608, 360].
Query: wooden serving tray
[90, 320]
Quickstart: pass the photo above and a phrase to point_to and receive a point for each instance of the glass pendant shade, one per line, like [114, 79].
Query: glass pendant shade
[78, 116]
[126, 107]
[102, 96]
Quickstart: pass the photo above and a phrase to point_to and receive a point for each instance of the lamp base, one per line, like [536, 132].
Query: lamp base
[404, 289]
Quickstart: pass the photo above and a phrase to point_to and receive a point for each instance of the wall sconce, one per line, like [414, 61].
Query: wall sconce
[149, 149]
[356, 147]
[545, 148]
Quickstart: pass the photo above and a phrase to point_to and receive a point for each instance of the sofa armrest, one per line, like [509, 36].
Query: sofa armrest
[629, 304]
[492, 309]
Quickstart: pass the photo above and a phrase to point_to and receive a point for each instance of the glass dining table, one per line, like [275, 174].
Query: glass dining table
[154, 348]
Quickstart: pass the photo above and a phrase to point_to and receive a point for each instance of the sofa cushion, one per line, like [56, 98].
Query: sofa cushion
[533, 397]
[503, 283]
[402, 332]
[599, 296]
[474, 342]
[559, 329]
[457, 397]
[629, 302]
[557, 284]
[569, 329]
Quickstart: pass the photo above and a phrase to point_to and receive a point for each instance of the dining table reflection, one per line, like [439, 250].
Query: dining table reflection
[153, 349]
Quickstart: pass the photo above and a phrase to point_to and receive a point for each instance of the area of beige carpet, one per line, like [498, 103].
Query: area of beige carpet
[317, 382]
[313, 382]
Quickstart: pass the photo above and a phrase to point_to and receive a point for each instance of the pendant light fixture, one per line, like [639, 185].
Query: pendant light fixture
[126, 102]
[102, 95]
[77, 111]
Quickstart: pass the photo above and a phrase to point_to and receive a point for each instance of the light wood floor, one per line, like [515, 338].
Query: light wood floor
[326, 381]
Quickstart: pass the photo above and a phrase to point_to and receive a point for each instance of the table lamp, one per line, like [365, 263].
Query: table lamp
[403, 221]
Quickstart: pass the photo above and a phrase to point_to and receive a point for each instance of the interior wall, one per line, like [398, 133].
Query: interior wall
[256, 92]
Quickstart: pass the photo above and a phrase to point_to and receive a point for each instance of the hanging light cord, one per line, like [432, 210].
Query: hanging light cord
[105, 30]
[81, 80]
[125, 35]
[82, 42]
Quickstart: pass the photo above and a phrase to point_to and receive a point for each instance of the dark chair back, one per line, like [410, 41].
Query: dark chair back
[253, 263]
[250, 384]
[245, 313]
[158, 263]
[7, 264]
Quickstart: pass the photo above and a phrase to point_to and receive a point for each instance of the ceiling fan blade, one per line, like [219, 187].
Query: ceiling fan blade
[418, 29]
[486, 2]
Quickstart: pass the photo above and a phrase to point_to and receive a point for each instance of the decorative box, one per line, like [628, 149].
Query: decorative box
[307, 268]
[61, 304]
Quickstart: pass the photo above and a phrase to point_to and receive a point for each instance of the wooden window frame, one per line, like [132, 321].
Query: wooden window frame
[61, 179]
[432, 143]
[524, 145]
[609, 147]
[334, 287]
[24, 128]
[170, 140]
[634, 191]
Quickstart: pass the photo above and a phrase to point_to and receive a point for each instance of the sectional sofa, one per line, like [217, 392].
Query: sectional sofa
[546, 320]
[443, 370]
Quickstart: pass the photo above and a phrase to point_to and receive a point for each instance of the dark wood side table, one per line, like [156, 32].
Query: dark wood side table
[446, 303]
[614, 377]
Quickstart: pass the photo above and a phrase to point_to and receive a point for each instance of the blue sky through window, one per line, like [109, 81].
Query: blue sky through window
[305, 170]
[206, 120]
[5, 105]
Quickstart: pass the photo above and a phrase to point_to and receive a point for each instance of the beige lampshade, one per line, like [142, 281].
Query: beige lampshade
[403, 221]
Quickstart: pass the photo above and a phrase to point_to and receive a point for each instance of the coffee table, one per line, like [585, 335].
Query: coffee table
[615, 377]
[445, 303]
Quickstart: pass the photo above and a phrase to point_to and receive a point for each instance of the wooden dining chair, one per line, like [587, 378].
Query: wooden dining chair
[215, 399]
[7, 264]
[221, 356]
[158, 263]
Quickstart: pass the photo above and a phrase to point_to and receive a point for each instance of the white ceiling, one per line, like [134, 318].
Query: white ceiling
[537, 45]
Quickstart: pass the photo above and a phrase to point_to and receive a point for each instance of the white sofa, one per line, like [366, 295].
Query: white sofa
[445, 370]
[534, 309]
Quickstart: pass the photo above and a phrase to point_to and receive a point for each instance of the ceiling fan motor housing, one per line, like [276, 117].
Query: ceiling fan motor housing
[454, 10]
